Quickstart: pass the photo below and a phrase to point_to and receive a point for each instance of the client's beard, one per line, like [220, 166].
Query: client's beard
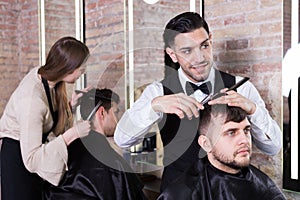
[231, 163]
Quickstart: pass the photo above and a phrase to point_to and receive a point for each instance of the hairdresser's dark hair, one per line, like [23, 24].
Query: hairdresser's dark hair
[183, 23]
[90, 99]
[66, 55]
[230, 113]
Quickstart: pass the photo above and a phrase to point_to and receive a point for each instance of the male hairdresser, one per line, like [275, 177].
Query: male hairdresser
[188, 42]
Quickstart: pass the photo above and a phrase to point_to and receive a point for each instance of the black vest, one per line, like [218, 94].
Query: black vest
[180, 137]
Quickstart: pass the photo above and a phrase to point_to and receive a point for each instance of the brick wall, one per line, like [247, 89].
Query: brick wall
[248, 41]
[148, 41]
[59, 21]
[19, 37]
[104, 26]
[19, 43]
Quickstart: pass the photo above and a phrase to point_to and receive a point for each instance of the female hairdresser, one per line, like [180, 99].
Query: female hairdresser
[35, 125]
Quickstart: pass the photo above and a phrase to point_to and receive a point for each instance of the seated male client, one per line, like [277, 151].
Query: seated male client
[226, 172]
[95, 170]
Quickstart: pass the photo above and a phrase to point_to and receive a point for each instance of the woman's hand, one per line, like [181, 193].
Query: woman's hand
[79, 130]
[76, 95]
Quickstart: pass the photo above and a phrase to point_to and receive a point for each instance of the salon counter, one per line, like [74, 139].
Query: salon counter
[148, 166]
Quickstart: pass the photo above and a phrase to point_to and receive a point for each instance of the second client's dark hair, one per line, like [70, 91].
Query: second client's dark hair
[91, 98]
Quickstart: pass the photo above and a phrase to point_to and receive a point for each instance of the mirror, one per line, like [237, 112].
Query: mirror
[144, 53]
[291, 100]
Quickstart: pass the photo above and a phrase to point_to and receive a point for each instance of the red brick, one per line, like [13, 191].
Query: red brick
[267, 67]
[239, 19]
[237, 44]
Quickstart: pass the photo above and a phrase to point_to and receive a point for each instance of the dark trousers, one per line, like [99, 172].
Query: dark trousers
[16, 181]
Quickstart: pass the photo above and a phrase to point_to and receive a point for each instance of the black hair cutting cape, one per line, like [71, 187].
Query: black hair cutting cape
[95, 171]
[204, 182]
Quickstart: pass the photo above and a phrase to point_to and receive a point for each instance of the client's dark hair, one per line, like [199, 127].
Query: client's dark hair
[230, 113]
[90, 99]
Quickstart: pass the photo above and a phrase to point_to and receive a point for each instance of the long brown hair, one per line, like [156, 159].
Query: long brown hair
[65, 56]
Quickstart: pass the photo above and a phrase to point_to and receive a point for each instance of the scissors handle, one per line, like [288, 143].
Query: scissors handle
[219, 94]
[238, 84]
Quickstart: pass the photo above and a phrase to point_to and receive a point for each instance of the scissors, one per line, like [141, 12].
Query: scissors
[219, 94]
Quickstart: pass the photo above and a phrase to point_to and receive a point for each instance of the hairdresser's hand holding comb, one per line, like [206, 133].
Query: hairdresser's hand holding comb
[80, 129]
[232, 98]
